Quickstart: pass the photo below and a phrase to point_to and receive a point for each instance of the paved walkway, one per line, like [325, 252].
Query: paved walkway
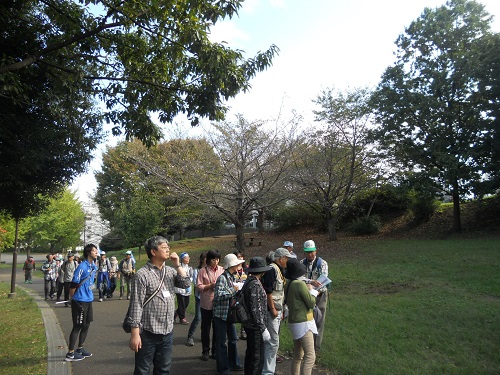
[106, 339]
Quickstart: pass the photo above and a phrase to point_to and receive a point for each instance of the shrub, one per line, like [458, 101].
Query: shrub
[366, 225]
[422, 207]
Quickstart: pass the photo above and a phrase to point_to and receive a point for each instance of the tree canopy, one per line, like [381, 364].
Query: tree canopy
[134, 57]
[436, 106]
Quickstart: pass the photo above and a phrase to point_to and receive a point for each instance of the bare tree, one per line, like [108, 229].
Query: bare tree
[335, 162]
[235, 170]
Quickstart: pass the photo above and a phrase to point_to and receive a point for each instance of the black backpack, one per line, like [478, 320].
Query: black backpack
[238, 311]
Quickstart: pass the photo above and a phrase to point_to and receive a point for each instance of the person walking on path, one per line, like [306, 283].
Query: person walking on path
[316, 267]
[274, 283]
[103, 267]
[206, 285]
[59, 278]
[49, 276]
[226, 354]
[81, 294]
[183, 294]
[68, 268]
[127, 270]
[197, 311]
[256, 328]
[152, 324]
[301, 323]
[28, 268]
[113, 276]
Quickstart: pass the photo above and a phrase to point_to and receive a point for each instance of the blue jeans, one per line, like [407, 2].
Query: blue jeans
[226, 355]
[197, 317]
[103, 283]
[157, 351]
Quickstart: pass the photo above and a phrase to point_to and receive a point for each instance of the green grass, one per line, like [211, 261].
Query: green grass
[23, 349]
[414, 307]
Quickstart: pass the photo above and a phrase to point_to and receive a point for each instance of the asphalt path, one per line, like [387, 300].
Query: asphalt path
[108, 343]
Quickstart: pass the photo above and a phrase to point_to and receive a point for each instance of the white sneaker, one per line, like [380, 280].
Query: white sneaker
[100, 299]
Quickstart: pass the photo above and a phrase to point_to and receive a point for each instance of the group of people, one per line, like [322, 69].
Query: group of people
[109, 271]
[281, 288]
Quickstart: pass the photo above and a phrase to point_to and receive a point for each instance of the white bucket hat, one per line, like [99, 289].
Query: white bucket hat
[231, 260]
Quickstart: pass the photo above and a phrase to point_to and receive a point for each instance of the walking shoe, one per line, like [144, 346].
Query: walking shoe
[204, 357]
[279, 359]
[100, 299]
[121, 297]
[237, 368]
[184, 321]
[190, 341]
[72, 357]
[83, 352]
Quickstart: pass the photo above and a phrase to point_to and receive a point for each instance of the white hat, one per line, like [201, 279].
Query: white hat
[128, 252]
[231, 260]
[288, 244]
[309, 245]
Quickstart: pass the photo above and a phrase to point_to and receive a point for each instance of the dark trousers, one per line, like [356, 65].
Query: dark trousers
[206, 324]
[182, 304]
[60, 288]
[226, 355]
[66, 291]
[254, 355]
[156, 350]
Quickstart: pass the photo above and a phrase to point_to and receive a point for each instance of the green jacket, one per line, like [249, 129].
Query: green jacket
[299, 301]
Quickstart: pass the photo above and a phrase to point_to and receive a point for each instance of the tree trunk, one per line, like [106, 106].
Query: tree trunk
[331, 223]
[14, 263]
[457, 221]
[260, 221]
[240, 236]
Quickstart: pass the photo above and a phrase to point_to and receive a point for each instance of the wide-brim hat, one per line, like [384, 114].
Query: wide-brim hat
[294, 269]
[258, 265]
[231, 260]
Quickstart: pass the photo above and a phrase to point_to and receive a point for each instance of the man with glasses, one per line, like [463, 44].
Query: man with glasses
[152, 323]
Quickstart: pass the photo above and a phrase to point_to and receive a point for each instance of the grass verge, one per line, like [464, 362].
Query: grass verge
[414, 307]
[23, 348]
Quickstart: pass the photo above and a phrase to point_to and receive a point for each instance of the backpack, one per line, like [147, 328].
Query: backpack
[29, 265]
[238, 312]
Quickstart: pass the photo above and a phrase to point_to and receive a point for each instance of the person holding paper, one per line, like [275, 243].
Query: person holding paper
[316, 271]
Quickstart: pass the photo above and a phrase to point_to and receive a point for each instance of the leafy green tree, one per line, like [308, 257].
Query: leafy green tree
[437, 106]
[140, 218]
[335, 163]
[58, 226]
[135, 57]
[118, 179]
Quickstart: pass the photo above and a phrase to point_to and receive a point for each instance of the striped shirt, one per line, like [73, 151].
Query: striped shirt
[224, 290]
[158, 315]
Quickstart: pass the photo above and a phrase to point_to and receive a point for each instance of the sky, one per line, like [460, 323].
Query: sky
[323, 44]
